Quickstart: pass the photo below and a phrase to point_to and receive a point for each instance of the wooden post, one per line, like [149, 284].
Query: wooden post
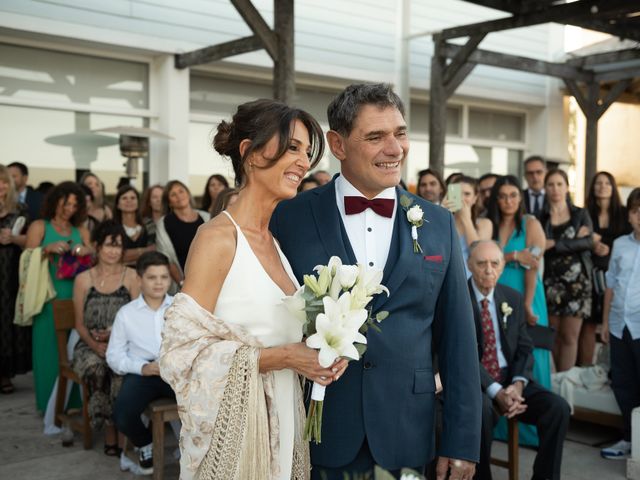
[284, 80]
[437, 108]
[591, 140]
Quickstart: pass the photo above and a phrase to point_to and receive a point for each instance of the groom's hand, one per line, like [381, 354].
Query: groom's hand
[458, 469]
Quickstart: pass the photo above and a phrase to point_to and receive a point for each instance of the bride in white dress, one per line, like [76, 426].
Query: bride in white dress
[231, 350]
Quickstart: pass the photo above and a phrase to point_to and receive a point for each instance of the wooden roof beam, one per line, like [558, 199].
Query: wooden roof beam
[218, 52]
[557, 13]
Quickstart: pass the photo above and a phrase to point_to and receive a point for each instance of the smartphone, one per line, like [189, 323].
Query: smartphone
[454, 196]
[18, 226]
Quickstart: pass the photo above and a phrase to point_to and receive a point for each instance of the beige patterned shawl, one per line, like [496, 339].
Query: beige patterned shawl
[229, 422]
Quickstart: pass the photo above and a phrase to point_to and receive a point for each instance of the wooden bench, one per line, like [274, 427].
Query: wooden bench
[64, 321]
[159, 412]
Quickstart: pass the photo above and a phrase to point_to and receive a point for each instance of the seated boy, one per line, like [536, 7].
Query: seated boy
[133, 350]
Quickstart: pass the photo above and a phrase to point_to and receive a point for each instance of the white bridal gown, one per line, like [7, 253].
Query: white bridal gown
[249, 297]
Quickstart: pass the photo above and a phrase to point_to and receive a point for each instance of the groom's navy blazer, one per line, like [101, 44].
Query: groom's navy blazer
[389, 395]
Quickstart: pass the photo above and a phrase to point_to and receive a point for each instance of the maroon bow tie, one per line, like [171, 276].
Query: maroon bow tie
[381, 206]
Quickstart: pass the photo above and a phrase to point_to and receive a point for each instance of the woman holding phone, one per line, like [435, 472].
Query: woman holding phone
[461, 199]
[522, 240]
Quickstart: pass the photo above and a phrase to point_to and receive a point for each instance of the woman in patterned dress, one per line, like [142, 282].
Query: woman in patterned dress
[567, 273]
[98, 294]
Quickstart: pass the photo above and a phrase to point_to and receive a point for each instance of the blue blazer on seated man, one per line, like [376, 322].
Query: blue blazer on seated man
[382, 409]
[505, 353]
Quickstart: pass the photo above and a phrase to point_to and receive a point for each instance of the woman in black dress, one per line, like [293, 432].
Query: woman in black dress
[138, 238]
[610, 221]
[567, 267]
[175, 231]
[15, 341]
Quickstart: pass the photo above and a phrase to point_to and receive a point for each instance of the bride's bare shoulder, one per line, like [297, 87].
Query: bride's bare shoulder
[217, 236]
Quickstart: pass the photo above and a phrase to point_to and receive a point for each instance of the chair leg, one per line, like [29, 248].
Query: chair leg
[62, 390]
[87, 434]
[158, 446]
[513, 449]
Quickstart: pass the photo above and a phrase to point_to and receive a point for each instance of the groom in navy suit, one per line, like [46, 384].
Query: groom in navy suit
[382, 411]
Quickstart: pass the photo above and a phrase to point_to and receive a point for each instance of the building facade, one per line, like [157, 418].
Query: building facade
[69, 67]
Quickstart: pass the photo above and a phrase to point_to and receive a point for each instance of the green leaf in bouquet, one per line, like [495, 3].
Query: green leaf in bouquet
[375, 328]
[405, 201]
[380, 316]
[361, 348]
[308, 294]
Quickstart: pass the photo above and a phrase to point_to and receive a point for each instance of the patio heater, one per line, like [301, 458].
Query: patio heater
[134, 146]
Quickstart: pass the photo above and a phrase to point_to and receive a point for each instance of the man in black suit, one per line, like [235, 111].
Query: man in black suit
[535, 168]
[506, 366]
[26, 194]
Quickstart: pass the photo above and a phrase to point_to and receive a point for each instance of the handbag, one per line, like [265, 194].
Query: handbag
[541, 336]
[599, 280]
[70, 265]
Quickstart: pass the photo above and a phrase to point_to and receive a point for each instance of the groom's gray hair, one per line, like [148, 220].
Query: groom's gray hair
[343, 110]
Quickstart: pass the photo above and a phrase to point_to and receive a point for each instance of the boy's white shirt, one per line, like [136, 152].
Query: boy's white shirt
[136, 336]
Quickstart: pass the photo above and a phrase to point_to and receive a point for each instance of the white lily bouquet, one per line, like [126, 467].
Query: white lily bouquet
[333, 307]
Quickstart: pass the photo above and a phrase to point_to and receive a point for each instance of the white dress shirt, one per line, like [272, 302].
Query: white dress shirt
[22, 196]
[369, 233]
[135, 336]
[623, 277]
[533, 199]
[495, 387]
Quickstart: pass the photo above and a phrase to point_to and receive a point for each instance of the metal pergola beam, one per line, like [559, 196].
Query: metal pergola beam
[277, 42]
[598, 59]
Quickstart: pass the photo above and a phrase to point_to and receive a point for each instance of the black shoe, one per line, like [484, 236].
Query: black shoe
[146, 459]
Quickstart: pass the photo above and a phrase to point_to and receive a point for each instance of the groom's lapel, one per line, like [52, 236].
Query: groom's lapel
[401, 256]
[329, 224]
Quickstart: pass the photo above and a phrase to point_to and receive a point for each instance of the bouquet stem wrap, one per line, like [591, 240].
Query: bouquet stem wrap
[313, 424]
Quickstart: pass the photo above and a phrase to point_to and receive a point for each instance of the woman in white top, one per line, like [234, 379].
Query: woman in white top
[235, 373]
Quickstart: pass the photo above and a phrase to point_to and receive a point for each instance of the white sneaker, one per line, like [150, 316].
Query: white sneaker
[618, 451]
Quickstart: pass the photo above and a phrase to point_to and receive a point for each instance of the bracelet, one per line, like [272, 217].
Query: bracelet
[515, 256]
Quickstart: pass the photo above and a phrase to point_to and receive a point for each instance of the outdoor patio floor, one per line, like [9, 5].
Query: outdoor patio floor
[25, 453]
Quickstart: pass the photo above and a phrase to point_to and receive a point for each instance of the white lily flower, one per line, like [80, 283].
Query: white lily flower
[359, 297]
[296, 305]
[370, 279]
[337, 330]
[332, 266]
[347, 275]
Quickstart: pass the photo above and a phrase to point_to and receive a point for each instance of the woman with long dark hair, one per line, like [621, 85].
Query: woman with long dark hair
[126, 212]
[610, 221]
[175, 230]
[522, 240]
[567, 272]
[59, 232]
[216, 183]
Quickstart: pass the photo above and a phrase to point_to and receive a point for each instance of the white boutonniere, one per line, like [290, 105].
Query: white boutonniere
[415, 216]
[506, 311]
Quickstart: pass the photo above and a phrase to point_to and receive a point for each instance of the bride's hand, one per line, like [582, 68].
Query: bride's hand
[304, 360]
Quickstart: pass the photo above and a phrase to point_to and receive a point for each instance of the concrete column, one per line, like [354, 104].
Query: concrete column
[633, 463]
[169, 99]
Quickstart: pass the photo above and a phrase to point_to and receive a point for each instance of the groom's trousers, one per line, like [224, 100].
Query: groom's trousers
[361, 467]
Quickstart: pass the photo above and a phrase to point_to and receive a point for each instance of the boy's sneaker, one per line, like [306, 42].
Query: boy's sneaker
[146, 459]
[618, 451]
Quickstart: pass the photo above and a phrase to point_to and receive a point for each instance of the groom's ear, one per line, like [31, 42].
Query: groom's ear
[336, 144]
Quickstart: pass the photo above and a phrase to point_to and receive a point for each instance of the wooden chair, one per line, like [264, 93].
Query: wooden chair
[512, 462]
[64, 320]
[160, 411]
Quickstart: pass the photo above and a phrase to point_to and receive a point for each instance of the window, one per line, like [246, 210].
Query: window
[493, 125]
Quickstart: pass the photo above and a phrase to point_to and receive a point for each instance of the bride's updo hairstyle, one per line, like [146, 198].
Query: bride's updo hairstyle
[258, 121]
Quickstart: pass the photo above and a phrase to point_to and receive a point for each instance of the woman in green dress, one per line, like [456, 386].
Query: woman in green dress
[60, 231]
[522, 240]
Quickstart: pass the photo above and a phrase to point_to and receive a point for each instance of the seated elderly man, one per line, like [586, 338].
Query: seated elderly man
[506, 362]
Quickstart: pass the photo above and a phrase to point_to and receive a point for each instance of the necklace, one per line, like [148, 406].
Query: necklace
[104, 276]
[132, 232]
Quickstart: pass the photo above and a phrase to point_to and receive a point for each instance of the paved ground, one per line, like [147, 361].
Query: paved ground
[27, 454]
